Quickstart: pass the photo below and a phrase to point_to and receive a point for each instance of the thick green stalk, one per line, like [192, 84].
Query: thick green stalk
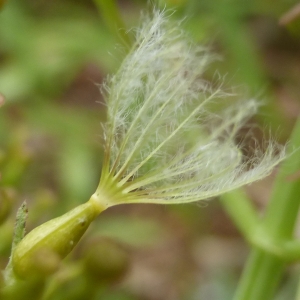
[283, 209]
[261, 276]
[264, 269]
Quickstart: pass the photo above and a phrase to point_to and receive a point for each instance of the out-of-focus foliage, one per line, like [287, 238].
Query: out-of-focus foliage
[52, 56]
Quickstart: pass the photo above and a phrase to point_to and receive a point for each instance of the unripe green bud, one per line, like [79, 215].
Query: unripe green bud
[58, 236]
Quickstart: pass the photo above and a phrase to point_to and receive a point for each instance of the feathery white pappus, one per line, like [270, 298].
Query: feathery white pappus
[164, 140]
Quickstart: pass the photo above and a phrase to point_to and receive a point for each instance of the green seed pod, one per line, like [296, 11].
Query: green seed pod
[59, 235]
[45, 262]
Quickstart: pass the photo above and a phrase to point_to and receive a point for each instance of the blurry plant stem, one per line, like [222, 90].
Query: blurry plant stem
[241, 211]
[114, 22]
[272, 240]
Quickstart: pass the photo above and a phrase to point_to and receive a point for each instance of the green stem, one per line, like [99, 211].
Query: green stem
[113, 20]
[241, 211]
[291, 250]
[284, 205]
[261, 276]
[264, 269]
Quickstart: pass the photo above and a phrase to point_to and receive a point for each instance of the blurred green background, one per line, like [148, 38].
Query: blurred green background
[53, 56]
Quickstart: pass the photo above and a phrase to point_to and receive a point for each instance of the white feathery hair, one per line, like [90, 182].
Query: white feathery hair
[165, 141]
